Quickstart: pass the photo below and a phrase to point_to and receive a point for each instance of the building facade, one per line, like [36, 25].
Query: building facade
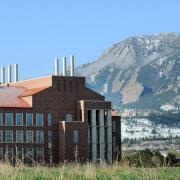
[55, 119]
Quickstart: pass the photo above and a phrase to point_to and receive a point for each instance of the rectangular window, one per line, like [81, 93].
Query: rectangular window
[1, 119]
[69, 117]
[40, 155]
[29, 136]
[1, 136]
[29, 119]
[49, 136]
[75, 136]
[19, 136]
[39, 120]
[39, 136]
[9, 119]
[114, 126]
[20, 153]
[9, 136]
[10, 154]
[29, 155]
[1, 154]
[19, 119]
[49, 119]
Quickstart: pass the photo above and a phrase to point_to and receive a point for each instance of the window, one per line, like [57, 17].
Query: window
[20, 153]
[29, 136]
[9, 136]
[114, 126]
[10, 154]
[9, 119]
[40, 154]
[29, 119]
[19, 119]
[69, 117]
[1, 136]
[75, 136]
[49, 119]
[19, 136]
[49, 136]
[1, 154]
[1, 119]
[39, 119]
[29, 155]
[39, 136]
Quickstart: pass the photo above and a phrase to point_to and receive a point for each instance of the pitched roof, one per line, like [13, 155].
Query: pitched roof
[14, 94]
[30, 92]
[9, 97]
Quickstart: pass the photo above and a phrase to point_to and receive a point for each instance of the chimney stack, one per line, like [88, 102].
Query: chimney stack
[56, 73]
[9, 74]
[3, 75]
[15, 72]
[64, 66]
[71, 65]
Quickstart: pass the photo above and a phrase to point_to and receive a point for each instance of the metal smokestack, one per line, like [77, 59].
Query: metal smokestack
[3, 75]
[64, 66]
[56, 72]
[16, 73]
[71, 65]
[9, 74]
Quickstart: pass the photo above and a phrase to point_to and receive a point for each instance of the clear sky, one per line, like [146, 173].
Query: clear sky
[34, 32]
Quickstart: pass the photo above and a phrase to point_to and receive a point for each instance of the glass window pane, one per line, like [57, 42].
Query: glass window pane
[49, 136]
[1, 119]
[19, 136]
[19, 119]
[29, 119]
[39, 136]
[1, 136]
[9, 136]
[9, 119]
[39, 120]
[49, 119]
[69, 117]
[75, 136]
[29, 136]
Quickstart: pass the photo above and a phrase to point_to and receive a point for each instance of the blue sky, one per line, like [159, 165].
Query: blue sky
[33, 33]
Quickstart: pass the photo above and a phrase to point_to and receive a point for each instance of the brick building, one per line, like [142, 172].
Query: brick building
[56, 118]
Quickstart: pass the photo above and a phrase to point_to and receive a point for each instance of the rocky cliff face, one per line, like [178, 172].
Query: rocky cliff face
[141, 72]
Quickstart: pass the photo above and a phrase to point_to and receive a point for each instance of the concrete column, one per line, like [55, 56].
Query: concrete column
[16, 73]
[56, 67]
[64, 66]
[93, 136]
[109, 135]
[9, 74]
[102, 140]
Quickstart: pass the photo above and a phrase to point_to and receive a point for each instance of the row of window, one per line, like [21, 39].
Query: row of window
[27, 153]
[28, 135]
[29, 119]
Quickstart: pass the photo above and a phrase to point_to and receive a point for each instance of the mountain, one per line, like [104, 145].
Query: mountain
[139, 72]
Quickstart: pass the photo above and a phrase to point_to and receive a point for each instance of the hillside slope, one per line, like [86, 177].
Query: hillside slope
[141, 72]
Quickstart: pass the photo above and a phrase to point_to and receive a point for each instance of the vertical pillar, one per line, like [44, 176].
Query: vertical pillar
[93, 135]
[56, 67]
[72, 65]
[64, 66]
[16, 73]
[102, 140]
[3, 75]
[109, 135]
[9, 74]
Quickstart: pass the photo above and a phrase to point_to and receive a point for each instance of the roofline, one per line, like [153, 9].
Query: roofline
[29, 79]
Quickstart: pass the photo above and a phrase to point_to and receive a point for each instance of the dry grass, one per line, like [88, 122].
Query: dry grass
[87, 171]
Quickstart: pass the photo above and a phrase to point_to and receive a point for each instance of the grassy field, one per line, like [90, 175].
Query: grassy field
[88, 171]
